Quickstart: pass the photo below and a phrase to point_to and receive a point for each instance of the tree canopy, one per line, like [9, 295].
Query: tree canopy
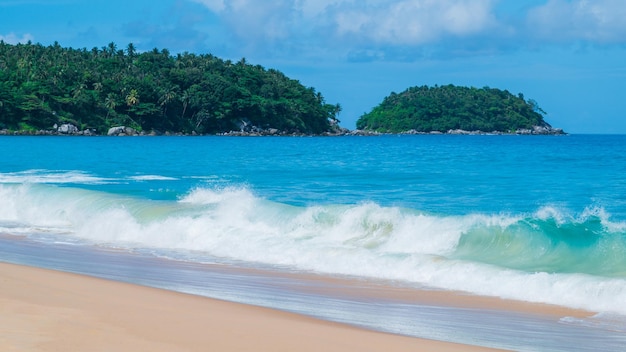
[449, 107]
[41, 86]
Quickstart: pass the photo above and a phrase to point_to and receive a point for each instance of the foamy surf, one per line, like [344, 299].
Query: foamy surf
[59, 177]
[551, 256]
[51, 177]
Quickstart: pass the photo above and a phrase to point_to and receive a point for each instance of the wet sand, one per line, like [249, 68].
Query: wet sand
[44, 310]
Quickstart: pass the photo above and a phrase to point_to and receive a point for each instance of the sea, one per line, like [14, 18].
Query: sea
[531, 218]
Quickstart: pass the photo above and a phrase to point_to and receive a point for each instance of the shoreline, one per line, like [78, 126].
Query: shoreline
[124, 131]
[303, 282]
[419, 314]
[44, 310]
[365, 289]
[245, 134]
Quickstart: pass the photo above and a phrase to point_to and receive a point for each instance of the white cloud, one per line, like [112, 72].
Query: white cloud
[255, 20]
[12, 38]
[410, 28]
[385, 22]
[596, 21]
[415, 22]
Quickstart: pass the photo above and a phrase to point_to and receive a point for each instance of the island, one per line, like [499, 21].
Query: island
[57, 90]
[456, 110]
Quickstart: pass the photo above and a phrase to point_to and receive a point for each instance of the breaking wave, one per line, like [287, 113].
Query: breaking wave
[551, 256]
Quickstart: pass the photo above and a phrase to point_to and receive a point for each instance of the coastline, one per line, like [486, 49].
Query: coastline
[45, 310]
[77, 303]
[124, 131]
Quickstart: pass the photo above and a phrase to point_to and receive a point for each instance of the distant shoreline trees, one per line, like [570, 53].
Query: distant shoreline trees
[42, 86]
[448, 108]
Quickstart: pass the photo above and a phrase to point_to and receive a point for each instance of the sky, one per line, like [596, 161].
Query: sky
[568, 55]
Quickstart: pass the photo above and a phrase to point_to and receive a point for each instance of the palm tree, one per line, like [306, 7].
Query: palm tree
[78, 92]
[130, 50]
[132, 98]
[184, 98]
[112, 48]
[168, 95]
[110, 104]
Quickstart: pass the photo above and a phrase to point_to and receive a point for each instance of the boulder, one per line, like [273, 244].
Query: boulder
[116, 130]
[121, 131]
[67, 128]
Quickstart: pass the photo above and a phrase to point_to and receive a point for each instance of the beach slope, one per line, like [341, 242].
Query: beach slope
[44, 310]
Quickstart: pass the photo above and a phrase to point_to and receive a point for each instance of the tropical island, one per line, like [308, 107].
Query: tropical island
[51, 89]
[456, 110]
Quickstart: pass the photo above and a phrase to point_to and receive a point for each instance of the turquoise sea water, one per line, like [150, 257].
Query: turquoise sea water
[536, 218]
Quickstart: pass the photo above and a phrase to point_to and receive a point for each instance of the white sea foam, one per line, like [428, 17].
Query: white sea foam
[152, 178]
[70, 176]
[552, 212]
[210, 196]
[48, 176]
[366, 240]
[564, 216]
[604, 321]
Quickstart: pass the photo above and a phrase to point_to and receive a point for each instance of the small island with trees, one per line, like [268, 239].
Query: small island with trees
[456, 110]
[52, 90]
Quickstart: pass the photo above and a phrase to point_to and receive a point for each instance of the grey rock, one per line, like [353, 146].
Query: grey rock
[67, 128]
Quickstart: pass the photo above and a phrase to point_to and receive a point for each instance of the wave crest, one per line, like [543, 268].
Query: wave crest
[549, 256]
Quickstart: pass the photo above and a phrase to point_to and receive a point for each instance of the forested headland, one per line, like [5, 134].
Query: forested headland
[455, 109]
[44, 87]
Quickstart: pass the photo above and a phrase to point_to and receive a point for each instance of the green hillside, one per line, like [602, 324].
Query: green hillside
[446, 108]
[43, 86]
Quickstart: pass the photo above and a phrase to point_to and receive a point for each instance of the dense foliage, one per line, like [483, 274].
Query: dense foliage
[444, 108]
[42, 86]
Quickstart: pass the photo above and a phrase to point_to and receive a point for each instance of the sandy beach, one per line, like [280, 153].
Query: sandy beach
[44, 310]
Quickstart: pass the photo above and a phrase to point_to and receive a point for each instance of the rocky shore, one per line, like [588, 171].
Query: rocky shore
[253, 131]
[536, 130]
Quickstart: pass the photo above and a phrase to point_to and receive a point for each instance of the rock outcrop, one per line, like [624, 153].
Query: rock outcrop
[121, 131]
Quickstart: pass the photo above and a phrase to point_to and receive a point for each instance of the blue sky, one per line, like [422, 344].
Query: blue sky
[568, 55]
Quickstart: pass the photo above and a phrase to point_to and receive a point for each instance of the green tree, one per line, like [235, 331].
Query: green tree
[41, 86]
[444, 108]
